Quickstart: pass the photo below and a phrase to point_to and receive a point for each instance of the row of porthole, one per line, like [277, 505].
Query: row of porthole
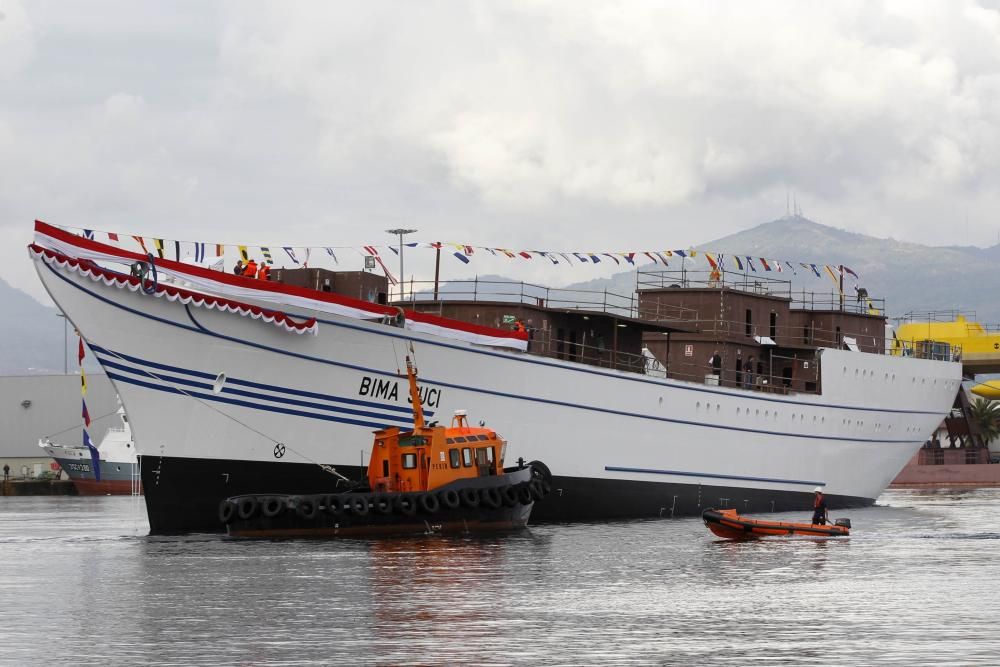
[768, 414]
[891, 377]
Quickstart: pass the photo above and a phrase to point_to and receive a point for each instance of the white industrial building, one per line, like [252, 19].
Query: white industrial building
[39, 406]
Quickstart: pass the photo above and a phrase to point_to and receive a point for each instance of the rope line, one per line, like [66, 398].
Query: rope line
[322, 466]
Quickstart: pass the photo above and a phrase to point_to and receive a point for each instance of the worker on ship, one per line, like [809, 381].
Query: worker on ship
[820, 513]
[250, 270]
[238, 268]
[519, 326]
[264, 272]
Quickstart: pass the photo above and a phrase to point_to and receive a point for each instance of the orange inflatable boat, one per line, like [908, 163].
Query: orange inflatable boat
[731, 526]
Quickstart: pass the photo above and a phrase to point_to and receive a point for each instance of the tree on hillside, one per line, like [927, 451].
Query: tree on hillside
[986, 414]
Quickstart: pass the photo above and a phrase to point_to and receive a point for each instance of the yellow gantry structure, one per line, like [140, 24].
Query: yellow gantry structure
[980, 347]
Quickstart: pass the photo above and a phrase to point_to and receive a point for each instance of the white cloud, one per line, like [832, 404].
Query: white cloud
[17, 38]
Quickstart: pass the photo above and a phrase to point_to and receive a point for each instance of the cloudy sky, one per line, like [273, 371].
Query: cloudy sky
[569, 125]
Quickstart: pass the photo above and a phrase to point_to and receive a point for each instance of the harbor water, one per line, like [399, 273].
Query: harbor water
[916, 583]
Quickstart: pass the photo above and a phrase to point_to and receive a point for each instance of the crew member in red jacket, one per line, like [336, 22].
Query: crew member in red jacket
[820, 516]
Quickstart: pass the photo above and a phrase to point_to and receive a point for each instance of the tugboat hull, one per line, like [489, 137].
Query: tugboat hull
[475, 505]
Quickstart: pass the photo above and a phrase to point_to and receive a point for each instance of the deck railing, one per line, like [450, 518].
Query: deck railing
[605, 301]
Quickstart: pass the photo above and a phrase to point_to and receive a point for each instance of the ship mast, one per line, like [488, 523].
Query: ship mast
[418, 409]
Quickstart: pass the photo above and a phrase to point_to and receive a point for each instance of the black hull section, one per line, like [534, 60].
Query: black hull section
[335, 515]
[589, 499]
[183, 495]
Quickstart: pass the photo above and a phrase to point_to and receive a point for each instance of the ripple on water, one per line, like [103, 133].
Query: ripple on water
[82, 585]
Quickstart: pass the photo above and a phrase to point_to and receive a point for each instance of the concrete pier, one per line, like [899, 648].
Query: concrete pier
[37, 487]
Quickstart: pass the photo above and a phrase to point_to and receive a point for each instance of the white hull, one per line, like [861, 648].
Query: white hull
[308, 393]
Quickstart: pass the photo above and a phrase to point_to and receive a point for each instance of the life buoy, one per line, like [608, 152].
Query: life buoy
[246, 507]
[524, 495]
[509, 495]
[449, 499]
[227, 510]
[429, 503]
[334, 504]
[306, 507]
[405, 504]
[469, 497]
[490, 497]
[272, 506]
[359, 504]
[382, 503]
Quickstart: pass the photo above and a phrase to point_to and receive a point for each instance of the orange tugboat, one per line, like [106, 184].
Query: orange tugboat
[731, 526]
[428, 479]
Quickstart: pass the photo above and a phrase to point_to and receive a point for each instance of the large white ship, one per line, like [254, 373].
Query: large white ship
[694, 395]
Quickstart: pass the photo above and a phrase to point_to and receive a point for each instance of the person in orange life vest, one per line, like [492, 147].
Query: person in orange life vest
[519, 326]
[264, 273]
[820, 515]
[250, 270]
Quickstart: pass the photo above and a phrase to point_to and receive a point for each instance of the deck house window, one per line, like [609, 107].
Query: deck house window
[749, 326]
[454, 457]
[467, 457]
[409, 461]
[773, 331]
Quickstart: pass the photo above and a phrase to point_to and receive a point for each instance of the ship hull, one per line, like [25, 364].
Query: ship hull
[217, 401]
[334, 515]
[117, 478]
[182, 495]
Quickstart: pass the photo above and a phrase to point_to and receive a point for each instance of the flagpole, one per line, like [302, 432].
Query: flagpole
[402, 277]
[437, 271]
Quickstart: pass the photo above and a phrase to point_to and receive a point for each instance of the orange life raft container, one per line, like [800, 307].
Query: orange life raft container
[731, 526]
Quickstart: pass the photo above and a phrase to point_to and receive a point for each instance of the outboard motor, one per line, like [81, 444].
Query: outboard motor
[843, 523]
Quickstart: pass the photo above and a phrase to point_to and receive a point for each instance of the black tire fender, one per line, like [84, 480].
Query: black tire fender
[359, 504]
[429, 503]
[382, 503]
[272, 506]
[524, 494]
[334, 504]
[406, 504]
[246, 507]
[469, 497]
[227, 510]
[306, 507]
[490, 497]
[540, 471]
[449, 499]
[508, 495]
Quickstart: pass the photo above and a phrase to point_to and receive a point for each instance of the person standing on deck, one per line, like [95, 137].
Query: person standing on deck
[820, 514]
[250, 270]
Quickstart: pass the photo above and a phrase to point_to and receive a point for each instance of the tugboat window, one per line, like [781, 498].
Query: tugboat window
[467, 457]
[460, 438]
[456, 458]
[409, 461]
[484, 437]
